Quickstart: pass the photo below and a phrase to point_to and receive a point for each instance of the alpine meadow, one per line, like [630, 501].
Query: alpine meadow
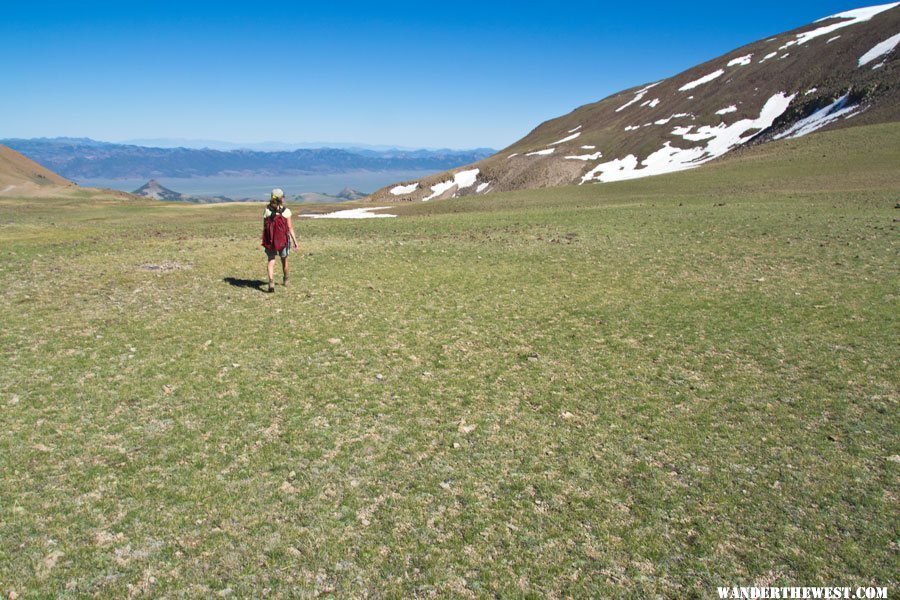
[539, 375]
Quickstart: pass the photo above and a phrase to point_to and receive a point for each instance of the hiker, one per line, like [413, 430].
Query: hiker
[278, 233]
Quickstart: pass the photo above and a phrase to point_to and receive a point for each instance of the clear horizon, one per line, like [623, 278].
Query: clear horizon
[393, 75]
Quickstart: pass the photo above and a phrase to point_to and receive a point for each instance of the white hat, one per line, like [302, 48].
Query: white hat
[277, 193]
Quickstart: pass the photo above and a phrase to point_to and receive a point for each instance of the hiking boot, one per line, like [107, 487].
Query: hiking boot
[271, 286]
[284, 281]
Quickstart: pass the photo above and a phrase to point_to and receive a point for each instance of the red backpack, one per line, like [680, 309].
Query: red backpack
[275, 231]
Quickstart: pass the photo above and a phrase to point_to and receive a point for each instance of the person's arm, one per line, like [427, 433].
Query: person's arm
[291, 230]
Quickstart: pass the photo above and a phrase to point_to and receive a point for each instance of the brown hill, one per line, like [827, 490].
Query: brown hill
[21, 176]
[839, 71]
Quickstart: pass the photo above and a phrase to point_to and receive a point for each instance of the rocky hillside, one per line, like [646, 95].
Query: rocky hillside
[839, 71]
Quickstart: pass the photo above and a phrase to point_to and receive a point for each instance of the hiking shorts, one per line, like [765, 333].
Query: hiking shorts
[271, 254]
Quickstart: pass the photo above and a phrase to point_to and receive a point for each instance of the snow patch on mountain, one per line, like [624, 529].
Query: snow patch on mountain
[768, 56]
[574, 130]
[669, 159]
[402, 190]
[740, 60]
[726, 110]
[851, 17]
[831, 39]
[638, 95]
[822, 117]
[593, 156]
[482, 186]
[630, 102]
[566, 139]
[882, 49]
[702, 80]
[461, 180]
[723, 137]
[610, 169]
[675, 116]
[545, 152]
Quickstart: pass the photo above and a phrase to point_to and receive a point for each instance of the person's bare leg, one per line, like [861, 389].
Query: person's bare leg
[270, 269]
[284, 268]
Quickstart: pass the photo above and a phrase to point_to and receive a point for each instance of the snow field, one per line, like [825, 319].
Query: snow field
[702, 80]
[461, 180]
[638, 95]
[669, 159]
[354, 213]
[881, 49]
[402, 190]
[850, 17]
[566, 139]
[593, 156]
[740, 60]
[822, 117]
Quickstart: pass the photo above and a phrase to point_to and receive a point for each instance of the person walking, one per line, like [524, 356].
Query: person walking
[278, 233]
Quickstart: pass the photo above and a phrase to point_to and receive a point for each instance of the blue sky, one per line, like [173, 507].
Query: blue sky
[458, 74]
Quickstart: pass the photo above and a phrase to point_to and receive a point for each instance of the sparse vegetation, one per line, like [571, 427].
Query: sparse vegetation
[641, 389]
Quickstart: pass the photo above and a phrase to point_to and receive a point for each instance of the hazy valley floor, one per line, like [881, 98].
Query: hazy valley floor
[636, 389]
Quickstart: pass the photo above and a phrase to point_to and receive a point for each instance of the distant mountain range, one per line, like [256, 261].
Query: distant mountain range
[84, 158]
[839, 71]
[345, 195]
[269, 146]
[157, 191]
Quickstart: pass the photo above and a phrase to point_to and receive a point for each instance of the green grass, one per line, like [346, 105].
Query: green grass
[627, 390]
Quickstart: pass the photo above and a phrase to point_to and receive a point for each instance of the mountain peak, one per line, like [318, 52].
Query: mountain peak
[837, 71]
[349, 193]
[155, 190]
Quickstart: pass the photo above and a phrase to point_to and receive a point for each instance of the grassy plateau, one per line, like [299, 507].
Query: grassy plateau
[645, 389]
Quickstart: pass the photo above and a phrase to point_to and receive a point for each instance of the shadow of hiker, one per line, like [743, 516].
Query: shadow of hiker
[256, 284]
